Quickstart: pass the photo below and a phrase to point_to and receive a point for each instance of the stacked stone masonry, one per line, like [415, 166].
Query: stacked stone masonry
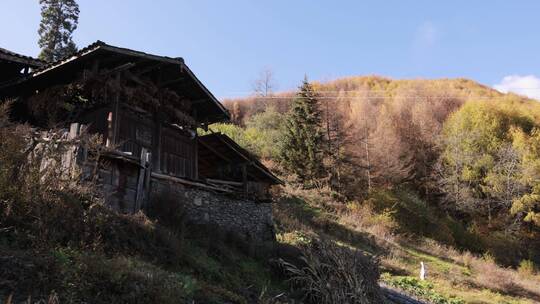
[248, 219]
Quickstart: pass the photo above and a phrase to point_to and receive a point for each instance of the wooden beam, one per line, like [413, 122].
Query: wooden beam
[207, 146]
[168, 82]
[135, 79]
[120, 68]
[227, 159]
[253, 162]
[219, 181]
[188, 182]
[198, 101]
[149, 69]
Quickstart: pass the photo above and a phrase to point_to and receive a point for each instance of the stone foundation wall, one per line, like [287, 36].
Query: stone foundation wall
[246, 218]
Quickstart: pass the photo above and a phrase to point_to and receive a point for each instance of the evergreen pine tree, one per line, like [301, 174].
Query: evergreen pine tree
[59, 18]
[301, 151]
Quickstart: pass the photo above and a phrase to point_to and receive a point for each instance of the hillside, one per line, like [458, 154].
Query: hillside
[61, 243]
[441, 171]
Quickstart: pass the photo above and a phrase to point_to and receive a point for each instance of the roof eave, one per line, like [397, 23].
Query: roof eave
[18, 58]
[247, 156]
[225, 112]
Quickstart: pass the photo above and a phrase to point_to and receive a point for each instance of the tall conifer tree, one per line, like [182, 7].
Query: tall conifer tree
[301, 152]
[59, 18]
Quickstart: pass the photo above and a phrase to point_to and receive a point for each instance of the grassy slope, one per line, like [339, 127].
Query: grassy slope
[453, 276]
[140, 262]
[211, 270]
[452, 273]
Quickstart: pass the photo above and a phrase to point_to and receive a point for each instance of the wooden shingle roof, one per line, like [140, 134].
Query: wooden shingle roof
[9, 56]
[176, 75]
[14, 66]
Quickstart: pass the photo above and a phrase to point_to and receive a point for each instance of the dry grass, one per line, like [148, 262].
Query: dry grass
[527, 269]
[335, 274]
[51, 299]
[363, 217]
[491, 276]
[486, 273]
[453, 272]
[504, 280]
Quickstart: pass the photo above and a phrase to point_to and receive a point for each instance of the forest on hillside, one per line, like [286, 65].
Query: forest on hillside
[472, 154]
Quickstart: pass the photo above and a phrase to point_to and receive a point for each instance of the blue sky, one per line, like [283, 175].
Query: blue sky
[228, 43]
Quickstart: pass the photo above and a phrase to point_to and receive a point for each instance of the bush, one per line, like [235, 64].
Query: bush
[464, 238]
[364, 217]
[505, 248]
[489, 275]
[335, 274]
[169, 210]
[527, 268]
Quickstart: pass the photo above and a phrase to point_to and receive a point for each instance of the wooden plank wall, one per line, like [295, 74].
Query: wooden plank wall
[178, 154]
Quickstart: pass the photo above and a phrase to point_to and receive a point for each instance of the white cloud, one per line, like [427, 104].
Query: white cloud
[528, 85]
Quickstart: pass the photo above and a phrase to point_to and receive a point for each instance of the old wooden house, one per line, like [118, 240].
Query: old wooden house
[147, 109]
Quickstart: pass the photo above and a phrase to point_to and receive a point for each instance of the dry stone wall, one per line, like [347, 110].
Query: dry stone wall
[248, 219]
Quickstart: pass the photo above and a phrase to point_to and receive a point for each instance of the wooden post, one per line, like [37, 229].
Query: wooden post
[74, 130]
[156, 149]
[116, 114]
[157, 145]
[70, 156]
[141, 180]
[110, 130]
[147, 181]
[244, 178]
[196, 157]
[196, 149]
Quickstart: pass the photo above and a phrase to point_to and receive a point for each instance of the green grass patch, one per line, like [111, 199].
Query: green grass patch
[422, 289]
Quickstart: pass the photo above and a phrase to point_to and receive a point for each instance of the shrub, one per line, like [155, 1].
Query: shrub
[527, 268]
[364, 217]
[464, 238]
[335, 274]
[170, 210]
[406, 213]
[466, 258]
[489, 275]
[505, 248]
